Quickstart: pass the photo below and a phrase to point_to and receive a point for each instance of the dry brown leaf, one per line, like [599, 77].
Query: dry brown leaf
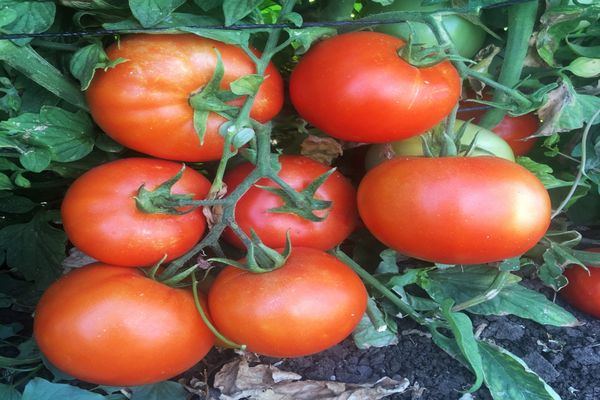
[238, 380]
[551, 111]
[321, 149]
[215, 213]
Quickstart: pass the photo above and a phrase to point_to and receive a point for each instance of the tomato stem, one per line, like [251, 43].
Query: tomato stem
[494, 289]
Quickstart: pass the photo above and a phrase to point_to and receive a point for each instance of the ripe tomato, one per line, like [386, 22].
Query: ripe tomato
[454, 210]
[583, 290]
[113, 326]
[252, 210]
[143, 103]
[512, 129]
[101, 218]
[467, 37]
[486, 143]
[355, 87]
[310, 304]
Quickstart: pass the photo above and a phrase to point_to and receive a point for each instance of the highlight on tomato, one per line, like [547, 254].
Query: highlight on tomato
[485, 142]
[100, 214]
[112, 325]
[311, 303]
[356, 87]
[144, 103]
[253, 210]
[583, 290]
[454, 210]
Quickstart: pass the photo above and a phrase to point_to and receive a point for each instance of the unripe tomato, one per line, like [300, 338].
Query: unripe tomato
[144, 103]
[583, 290]
[454, 210]
[114, 326]
[355, 87]
[311, 303]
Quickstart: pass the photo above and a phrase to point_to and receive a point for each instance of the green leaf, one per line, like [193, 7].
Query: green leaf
[32, 17]
[235, 10]
[374, 329]
[15, 204]
[36, 249]
[7, 331]
[207, 5]
[510, 264]
[246, 85]
[10, 102]
[389, 262]
[7, 16]
[588, 258]
[8, 392]
[508, 377]
[87, 60]
[556, 258]
[462, 329]
[464, 284]
[38, 69]
[36, 160]
[304, 38]
[151, 12]
[5, 183]
[159, 391]
[41, 389]
[585, 67]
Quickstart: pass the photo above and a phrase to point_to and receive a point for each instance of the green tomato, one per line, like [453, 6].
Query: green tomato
[487, 143]
[467, 37]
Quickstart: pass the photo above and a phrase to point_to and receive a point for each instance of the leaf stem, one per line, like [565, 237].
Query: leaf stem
[494, 289]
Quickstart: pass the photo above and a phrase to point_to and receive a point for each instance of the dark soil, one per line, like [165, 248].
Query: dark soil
[568, 359]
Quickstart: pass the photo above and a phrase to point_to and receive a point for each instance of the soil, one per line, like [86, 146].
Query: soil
[568, 359]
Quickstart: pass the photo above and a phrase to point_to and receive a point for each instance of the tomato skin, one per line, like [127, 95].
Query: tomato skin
[454, 210]
[111, 325]
[583, 290]
[143, 103]
[101, 218]
[251, 211]
[512, 129]
[310, 304]
[467, 37]
[355, 87]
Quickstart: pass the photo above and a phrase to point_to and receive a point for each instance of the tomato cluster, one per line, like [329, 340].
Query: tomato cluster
[110, 324]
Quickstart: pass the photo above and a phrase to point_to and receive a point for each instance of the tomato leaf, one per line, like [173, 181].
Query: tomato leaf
[235, 10]
[302, 39]
[32, 17]
[556, 258]
[10, 101]
[8, 392]
[247, 85]
[36, 249]
[41, 389]
[464, 284]
[374, 329]
[508, 377]
[14, 204]
[207, 5]
[88, 59]
[159, 391]
[151, 12]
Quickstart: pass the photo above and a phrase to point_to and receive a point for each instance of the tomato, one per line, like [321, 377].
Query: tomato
[252, 210]
[467, 37]
[583, 290]
[143, 103]
[310, 304]
[454, 210]
[355, 87]
[486, 143]
[512, 129]
[101, 218]
[113, 326]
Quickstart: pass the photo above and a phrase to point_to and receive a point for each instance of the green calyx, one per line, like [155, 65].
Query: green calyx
[161, 200]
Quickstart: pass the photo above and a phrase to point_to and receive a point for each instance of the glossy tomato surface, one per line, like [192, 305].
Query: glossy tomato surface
[101, 218]
[143, 103]
[252, 210]
[454, 210]
[113, 326]
[583, 290]
[310, 304]
[467, 37]
[355, 87]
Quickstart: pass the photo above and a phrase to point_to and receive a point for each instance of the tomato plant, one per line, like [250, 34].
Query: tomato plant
[308, 305]
[583, 290]
[114, 326]
[355, 87]
[454, 210]
[100, 215]
[144, 103]
[253, 209]
[486, 143]
[467, 37]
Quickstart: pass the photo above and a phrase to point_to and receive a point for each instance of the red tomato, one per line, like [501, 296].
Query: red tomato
[143, 103]
[252, 210]
[512, 129]
[355, 87]
[113, 326]
[454, 210]
[101, 218]
[583, 290]
[310, 304]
